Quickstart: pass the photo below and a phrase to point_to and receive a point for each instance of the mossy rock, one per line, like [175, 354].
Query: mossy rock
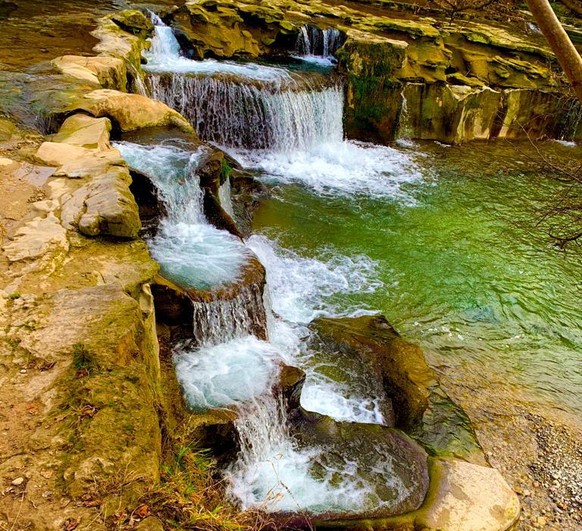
[421, 407]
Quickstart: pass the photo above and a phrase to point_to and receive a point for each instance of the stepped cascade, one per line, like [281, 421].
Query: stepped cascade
[259, 112]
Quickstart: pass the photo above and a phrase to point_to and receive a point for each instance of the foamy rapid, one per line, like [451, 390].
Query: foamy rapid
[190, 251]
[275, 475]
[305, 288]
[227, 374]
[345, 168]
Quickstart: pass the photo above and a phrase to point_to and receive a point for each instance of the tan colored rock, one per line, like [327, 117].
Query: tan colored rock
[36, 238]
[84, 131]
[115, 42]
[76, 161]
[108, 72]
[468, 497]
[131, 111]
[103, 206]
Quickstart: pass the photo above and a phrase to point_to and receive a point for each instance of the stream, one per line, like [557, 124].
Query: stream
[429, 235]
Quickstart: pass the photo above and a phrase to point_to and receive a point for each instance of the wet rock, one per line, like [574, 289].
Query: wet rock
[133, 21]
[291, 380]
[373, 94]
[450, 113]
[421, 407]
[392, 463]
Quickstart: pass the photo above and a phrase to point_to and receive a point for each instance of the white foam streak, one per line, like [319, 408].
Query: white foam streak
[302, 288]
[339, 168]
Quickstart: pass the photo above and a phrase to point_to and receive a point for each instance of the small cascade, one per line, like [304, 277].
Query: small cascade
[224, 319]
[277, 473]
[405, 131]
[246, 105]
[571, 120]
[237, 112]
[315, 42]
[191, 252]
[225, 197]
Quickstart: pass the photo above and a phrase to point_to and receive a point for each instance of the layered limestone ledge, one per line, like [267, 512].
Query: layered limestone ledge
[79, 372]
[460, 77]
[94, 194]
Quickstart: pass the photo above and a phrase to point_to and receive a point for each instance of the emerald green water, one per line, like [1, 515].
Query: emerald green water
[465, 271]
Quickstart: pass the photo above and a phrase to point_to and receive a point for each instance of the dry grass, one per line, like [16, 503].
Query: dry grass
[190, 497]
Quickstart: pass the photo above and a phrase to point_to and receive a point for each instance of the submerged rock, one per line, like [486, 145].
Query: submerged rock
[392, 465]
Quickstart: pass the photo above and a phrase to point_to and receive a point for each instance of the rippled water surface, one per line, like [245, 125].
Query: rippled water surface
[465, 271]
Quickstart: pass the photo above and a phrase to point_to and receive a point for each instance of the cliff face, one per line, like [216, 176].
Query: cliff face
[460, 81]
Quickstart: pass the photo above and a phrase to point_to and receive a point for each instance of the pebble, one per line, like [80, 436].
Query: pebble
[17, 482]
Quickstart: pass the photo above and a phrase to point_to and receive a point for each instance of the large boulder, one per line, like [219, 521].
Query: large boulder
[421, 407]
[130, 111]
[385, 462]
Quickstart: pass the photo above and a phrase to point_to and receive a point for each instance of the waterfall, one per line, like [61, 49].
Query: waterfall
[570, 119]
[247, 105]
[224, 319]
[236, 112]
[225, 197]
[313, 41]
[191, 252]
[231, 360]
[405, 131]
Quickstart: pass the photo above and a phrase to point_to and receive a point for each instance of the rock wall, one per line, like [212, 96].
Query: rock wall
[82, 407]
[463, 81]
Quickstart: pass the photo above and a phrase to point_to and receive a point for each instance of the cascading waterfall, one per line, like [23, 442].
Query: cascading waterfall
[223, 320]
[191, 252]
[245, 105]
[315, 42]
[294, 120]
[242, 113]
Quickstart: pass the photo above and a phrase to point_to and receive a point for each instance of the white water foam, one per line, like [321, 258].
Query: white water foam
[302, 288]
[275, 475]
[190, 251]
[227, 374]
[339, 168]
[197, 255]
[164, 56]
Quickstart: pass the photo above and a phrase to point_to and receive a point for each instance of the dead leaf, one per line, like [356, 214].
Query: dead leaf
[143, 511]
[71, 524]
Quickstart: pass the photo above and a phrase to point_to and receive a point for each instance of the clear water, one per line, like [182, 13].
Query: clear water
[463, 270]
[429, 235]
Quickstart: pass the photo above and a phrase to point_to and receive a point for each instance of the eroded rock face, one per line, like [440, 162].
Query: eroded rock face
[100, 202]
[130, 111]
[107, 72]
